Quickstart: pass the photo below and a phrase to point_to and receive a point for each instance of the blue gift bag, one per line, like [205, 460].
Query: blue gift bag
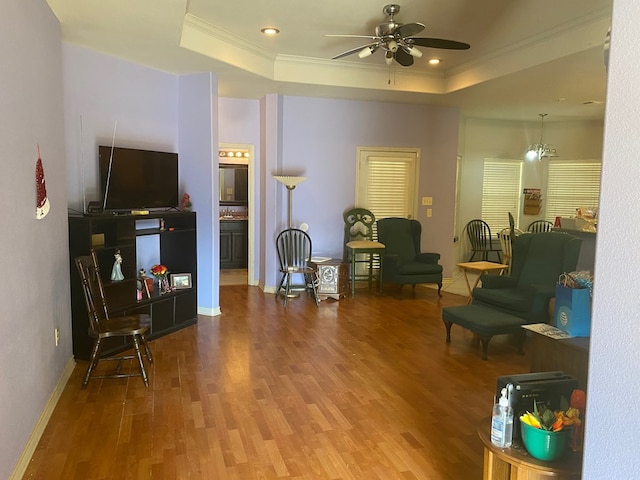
[573, 310]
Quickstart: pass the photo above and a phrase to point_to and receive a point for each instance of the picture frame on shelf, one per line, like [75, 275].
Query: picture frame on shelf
[180, 280]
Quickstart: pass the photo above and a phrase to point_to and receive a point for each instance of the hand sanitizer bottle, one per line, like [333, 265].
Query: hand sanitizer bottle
[502, 422]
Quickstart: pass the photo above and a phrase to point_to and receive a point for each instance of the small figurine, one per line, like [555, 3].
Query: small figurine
[116, 271]
[186, 203]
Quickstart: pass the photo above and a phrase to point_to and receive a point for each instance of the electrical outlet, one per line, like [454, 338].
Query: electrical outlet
[427, 200]
[56, 333]
[429, 212]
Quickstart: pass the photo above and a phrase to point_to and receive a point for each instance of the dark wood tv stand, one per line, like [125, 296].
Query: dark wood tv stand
[130, 234]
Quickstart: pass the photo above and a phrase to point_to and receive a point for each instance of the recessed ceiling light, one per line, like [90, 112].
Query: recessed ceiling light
[434, 61]
[270, 31]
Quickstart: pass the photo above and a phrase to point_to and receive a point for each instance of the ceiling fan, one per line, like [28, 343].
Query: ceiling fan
[397, 40]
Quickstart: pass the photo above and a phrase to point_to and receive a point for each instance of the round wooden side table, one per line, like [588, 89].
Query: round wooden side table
[515, 463]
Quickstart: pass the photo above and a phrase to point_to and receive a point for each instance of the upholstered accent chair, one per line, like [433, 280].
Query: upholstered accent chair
[403, 263]
[537, 262]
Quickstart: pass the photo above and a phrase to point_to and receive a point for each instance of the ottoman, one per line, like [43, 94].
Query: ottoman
[485, 322]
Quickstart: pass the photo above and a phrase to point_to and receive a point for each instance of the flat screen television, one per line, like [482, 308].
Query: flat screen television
[132, 179]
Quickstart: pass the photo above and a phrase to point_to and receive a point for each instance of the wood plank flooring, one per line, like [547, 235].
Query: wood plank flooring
[360, 388]
[234, 276]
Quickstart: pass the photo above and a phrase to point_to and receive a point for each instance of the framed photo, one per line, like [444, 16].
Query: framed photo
[180, 280]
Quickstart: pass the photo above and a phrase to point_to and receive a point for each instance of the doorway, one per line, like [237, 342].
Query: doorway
[239, 209]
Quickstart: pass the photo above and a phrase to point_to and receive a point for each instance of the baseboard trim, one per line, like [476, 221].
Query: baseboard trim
[209, 312]
[38, 430]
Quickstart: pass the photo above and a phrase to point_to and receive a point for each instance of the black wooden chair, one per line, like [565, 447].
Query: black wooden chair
[479, 235]
[540, 226]
[294, 254]
[103, 326]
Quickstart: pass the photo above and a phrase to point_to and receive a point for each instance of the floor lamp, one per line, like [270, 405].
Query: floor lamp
[290, 183]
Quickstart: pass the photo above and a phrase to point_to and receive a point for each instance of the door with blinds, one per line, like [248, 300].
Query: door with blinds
[386, 184]
[386, 181]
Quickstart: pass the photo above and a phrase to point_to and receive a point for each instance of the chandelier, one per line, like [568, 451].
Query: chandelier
[540, 150]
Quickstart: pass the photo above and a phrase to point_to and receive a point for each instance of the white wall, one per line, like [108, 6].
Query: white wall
[35, 296]
[198, 135]
[612, 427]
[103, 93]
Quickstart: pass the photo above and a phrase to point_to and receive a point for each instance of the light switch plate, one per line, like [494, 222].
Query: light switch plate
[427, 200]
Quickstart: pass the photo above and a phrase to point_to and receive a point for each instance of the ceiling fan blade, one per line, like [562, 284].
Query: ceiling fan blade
[356, 50]
[372, 37]
[408, 30]
[403, 58]
[438, 43]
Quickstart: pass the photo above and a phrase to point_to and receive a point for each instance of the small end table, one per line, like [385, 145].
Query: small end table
[481, 268]
[516, 463]
[333, 278]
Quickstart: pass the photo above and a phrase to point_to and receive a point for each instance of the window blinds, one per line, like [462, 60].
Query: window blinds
[500, 192]
[570, 185]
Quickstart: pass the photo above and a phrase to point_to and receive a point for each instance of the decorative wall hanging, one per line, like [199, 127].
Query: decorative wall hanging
[532, 201]
[42, 202]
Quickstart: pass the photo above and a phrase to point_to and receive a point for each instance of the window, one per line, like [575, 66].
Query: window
[500, 192]
[571, 184]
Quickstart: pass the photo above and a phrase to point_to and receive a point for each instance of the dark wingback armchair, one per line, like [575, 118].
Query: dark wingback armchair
[538, 260]
[402, 261]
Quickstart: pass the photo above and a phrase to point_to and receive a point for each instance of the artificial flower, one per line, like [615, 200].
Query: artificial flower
[159, 271]
[546, 419]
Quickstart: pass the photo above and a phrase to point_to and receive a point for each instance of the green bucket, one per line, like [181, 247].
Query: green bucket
[544, 444]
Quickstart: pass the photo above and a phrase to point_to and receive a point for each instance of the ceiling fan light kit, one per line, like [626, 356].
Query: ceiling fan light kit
[540, 150]
[398, 41]
[366, 51]
[388, 58]
[413, 51]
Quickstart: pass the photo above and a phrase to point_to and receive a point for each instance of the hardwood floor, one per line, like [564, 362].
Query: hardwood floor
[236, 276]
[361, 388]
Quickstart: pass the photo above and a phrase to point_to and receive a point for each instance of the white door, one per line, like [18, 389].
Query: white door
[387, 181]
